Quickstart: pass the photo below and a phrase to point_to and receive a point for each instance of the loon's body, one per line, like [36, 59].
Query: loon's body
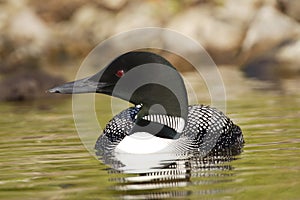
[161, 120]
[207, 129]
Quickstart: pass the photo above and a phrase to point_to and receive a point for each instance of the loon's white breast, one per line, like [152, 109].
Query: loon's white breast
[145, 143]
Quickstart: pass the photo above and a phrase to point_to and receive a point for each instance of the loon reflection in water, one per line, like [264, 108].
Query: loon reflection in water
[177, 172]
[161, 120]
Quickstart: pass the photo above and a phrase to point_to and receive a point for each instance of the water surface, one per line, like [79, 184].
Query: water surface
[41, 156]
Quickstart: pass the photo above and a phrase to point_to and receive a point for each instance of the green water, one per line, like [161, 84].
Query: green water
[42, 157]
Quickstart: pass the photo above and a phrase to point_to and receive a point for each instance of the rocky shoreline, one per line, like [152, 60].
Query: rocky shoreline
[40, 38]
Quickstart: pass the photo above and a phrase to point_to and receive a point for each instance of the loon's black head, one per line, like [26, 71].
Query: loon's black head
[142, 78]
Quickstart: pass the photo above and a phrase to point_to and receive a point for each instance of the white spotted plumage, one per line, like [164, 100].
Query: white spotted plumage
[205, 128]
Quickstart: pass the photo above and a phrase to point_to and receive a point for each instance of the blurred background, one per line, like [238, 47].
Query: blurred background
[42, 43]
[255, 44]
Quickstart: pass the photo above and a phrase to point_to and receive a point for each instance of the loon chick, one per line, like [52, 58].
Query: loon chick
[161, 120]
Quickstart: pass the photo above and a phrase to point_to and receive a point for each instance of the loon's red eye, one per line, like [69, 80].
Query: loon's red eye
[120, 73]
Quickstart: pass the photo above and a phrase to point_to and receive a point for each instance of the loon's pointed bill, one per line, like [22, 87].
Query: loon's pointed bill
[86, 85]
[158, 92]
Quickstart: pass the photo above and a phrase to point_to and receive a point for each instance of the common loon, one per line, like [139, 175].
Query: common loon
[161, 120]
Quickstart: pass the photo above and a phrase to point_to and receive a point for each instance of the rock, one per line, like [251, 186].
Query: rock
[138, 14]
[22, 41]
[272, 49]
[88, 26]
[27, 85]
[16, 54]
[282, 62]
[288, 56]
[114, 5]
[290, 8]
[23, 37]
[263, 68]
[92, 23]
[56, 10]
[268, 29]
[32, 27]
[238, 11]
[217, 29]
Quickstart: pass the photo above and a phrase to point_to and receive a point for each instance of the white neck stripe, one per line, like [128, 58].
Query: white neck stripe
[176, 123]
